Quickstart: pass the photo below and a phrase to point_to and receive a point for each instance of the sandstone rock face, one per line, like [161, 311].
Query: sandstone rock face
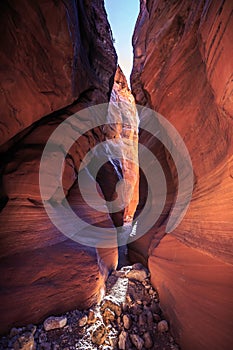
[50, 62]
[183, 70]
[123, 131]
[60, 65]
[122, 95]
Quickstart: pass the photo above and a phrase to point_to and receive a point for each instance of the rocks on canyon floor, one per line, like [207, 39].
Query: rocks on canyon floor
[128, 318]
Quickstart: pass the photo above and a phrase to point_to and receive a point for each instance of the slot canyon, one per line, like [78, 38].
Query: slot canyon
[140, 269]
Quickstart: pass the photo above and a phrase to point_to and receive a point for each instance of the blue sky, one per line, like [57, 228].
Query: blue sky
[122, 16]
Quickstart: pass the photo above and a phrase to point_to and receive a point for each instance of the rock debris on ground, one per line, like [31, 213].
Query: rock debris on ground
[128, 318]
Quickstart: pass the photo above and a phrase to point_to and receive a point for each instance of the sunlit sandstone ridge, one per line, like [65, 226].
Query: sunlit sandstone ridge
[183, 69]
[123, 109]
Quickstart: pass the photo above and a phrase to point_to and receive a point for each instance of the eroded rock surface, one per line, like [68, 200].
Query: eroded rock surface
[183, 70]
[123, 110]
[66, 61]
[50, 57]
[61, 64]
[122, 135]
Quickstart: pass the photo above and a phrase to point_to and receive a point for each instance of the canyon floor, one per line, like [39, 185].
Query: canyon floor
[129, 317]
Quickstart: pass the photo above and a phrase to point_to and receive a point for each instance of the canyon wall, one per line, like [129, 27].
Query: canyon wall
[58, 52]
[58, 57]
[183, 70]
[124, 114]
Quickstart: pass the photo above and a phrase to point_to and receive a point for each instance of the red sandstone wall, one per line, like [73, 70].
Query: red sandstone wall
[53, 53]
[183, 69]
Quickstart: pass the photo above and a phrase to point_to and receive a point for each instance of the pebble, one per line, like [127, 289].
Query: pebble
[54, 322]
[142, 320]
[111, 303]
[149, 316]
[137, 341]
[127, 321]
[135, 309]
[25, 342]
[148, 343]
[113, 341]
[99, 334]
[91, 316]
[83, 321]
[163, 326]
[122, 340]
[108, 316]
[42, 338]
[139, 275]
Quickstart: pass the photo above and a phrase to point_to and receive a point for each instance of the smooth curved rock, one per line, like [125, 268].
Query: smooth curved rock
[61, 64]
[183, 70]
[195, 292]
[49, 63]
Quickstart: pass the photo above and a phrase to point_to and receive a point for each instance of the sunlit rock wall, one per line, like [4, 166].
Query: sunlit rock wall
[123, 111]
[183, 69]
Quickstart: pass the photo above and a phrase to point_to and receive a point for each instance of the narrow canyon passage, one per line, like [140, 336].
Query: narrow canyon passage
[116, 200]
[129, 317]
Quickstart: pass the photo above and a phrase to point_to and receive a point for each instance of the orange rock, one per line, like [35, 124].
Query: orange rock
[183, 70]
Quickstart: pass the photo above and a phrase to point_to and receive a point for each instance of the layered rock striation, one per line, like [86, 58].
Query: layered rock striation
[62, 64]
[123, 112]
[50, 61]
[183, 70]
